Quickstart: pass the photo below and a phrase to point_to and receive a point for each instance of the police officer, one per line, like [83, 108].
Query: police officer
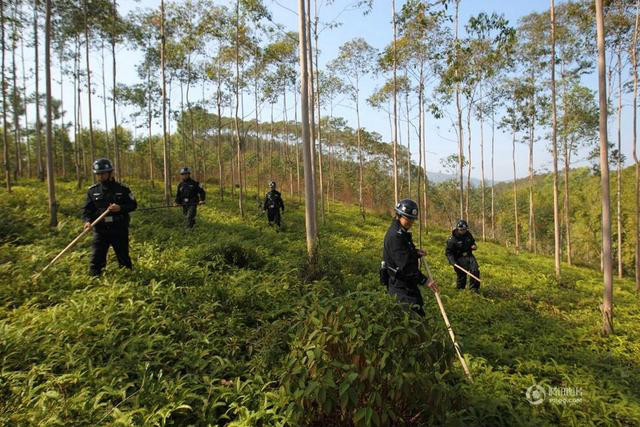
[190, 193]
[273, 204]
[401, 259]
[460, 247]
[113, 230]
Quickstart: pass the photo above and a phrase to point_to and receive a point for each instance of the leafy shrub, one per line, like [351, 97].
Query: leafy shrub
[362, 360]
[231, 253]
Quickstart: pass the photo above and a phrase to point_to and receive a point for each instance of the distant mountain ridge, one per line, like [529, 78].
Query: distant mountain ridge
[441, 177]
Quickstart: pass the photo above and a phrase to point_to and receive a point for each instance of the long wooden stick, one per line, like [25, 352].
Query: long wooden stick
[449, 328]
[469, 273]
[76, 240]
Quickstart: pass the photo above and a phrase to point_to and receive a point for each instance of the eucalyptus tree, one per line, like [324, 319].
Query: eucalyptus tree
[633, 48]
[280, 57]
[515, 95]
[5, 138]
[355, 60]
[533, 33]
[15, 98]
[619, 32]
[607, 304]
[310, 197]
[492, 44]
[113, 27]
[143, 34]
[38, 124]
[575, 48]
[330, 85]
[554, 145]
[53, 206]
[421, 49]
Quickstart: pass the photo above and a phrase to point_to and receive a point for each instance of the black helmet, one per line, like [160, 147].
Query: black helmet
[407, 208]
[102, 165]
[272, 184]
[462, 224]
[185, 170]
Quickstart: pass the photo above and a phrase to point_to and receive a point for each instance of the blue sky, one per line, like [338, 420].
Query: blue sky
[376, 29]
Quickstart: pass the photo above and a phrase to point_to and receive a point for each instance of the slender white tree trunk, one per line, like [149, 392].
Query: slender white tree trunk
[607, 305]
[554, 144]
[310, 199]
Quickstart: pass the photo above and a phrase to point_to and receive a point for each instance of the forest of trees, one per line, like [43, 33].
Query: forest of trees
[225, 61]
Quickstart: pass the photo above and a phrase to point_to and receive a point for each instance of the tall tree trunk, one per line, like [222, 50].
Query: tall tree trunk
[219, 135]
[466, 199]
[295, 119]
[634, 62]
[5, 137]
[420, 153]
[566, 149]
[61, 139]
[237, 89]
[607, 304]
[38, 128]
[406, 102]
[482, 217]
[286, 136]
[311, 106]
[515, 195]
[109, 152]
[78, 118]
[53, 206]
[115, 93]
[532, 219]
[149, 124]
[26, 118]
[86, 46]
[424, 160]
[317, 74]
[619, 165]
[310, 200]
[360, 160]
[14, 101]
[460, 135]
[554, 143]
[257, 124]
[493, 174]
[165, 142]
[395, 106]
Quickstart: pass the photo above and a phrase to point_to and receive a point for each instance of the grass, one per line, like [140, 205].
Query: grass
[229, 325]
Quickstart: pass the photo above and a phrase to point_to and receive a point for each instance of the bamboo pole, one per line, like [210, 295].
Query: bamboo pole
[448, 324]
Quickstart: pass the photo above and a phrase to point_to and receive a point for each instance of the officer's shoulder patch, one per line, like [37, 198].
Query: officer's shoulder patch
[131, 196]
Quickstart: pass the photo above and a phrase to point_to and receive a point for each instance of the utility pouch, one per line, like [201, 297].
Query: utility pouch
[384, 274]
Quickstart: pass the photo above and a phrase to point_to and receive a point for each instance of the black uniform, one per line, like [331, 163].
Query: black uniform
[273, 204]
[459, 252]
[113, 230]
[189, 194]
[401, 259]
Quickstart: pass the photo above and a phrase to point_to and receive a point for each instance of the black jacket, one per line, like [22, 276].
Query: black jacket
[189, 192]
[273, 200]
[401, 258]
[100, 196]
[459, 246]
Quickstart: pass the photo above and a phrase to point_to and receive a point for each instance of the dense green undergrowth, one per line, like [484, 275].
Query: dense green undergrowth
[229, 325]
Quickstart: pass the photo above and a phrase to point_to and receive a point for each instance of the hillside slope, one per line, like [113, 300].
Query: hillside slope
[228, 325]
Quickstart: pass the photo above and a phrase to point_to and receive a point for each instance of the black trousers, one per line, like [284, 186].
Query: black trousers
[470, 264]
[189, 212]
[407, 297]
[273, 215]
[119, 240]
